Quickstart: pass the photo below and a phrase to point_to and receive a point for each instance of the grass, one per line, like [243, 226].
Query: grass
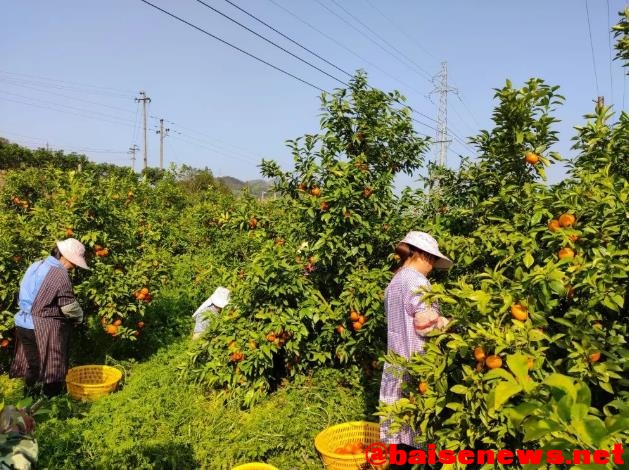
[159, 420]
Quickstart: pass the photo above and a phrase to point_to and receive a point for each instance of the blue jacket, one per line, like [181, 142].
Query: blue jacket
[29, 287]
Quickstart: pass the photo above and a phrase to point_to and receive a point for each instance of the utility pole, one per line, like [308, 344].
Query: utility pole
[132, 151]
[144, 99]
[441, 87]
[162, 133]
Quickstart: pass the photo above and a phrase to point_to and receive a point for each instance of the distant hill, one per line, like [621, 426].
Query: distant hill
[256, 187]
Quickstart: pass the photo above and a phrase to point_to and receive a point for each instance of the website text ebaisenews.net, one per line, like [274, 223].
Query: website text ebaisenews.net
[379, 454]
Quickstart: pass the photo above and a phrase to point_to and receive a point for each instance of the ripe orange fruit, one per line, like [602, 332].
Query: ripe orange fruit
[111, 329]
[140, 324]
[567, 220]
[595, 356]
[315, 191]
[357, 325]
[144, 290]
[530, 362]
[423, 387]
[4, 343]
[236, 356]
[493, 361]
[553, 225]
[271, 337]
[253, 222]
[118, 322]
[531, 158]
[479, 354]
[301, 186]
[354, 315]
[324, 206]
[340, 329]
[519, 312]
[69, 232]
[361, 319]
[566, 252]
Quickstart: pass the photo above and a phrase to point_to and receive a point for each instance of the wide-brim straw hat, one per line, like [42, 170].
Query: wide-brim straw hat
[427, 243]
[220, 297]
[74, 251]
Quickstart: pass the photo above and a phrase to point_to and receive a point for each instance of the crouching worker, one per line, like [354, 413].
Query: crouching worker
[215, 303]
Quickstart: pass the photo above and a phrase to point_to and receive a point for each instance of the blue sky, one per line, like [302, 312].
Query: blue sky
[70, 70]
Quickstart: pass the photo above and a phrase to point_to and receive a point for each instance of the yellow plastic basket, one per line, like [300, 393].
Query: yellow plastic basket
[255, 466]
[92, 382]
[339, 435]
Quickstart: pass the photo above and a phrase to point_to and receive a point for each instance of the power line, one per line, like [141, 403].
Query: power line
[289, 38]
[343, 46]
[63, 84]
[587, 14]
[43, 90]
[69, 147]
[609, 40]
[395, 49]
[468, 110]
[247, 53]
[74, 108]
[382, 14]
[270, 42]
[233, 46]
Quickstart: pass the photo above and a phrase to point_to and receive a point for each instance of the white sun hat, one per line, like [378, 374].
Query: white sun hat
[220, 297]
[426, 243]
[74, 251]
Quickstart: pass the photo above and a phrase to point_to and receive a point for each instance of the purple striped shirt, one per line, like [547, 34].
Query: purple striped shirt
[402, 298]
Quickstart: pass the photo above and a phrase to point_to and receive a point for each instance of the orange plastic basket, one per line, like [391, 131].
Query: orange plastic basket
[339, 435]
[92, 382]
[255, 466]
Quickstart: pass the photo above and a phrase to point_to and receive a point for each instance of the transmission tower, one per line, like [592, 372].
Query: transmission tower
[442, 88]
[132, 151]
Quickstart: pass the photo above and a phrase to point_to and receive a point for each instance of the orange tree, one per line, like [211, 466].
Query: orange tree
[312, 294]
[536, 356]
[104, 208]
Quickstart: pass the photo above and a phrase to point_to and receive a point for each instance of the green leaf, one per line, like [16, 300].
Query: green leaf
[518, 413]
[584, 395]
[518, 364]
[502, 393]
[564, 408]
[499, 373]
[563, 321]
[528, 260]
[562, 383]
[536, 428]
[590, 430]
[606, 386]
[459, 389]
